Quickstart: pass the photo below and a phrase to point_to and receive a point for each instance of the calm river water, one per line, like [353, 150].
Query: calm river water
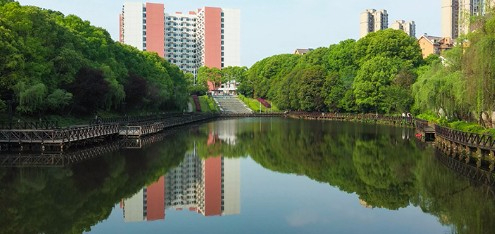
[268, 175]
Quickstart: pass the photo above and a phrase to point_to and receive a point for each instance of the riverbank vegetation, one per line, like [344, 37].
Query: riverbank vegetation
[208, 105]
[461, 85]
[59, 65]
[62, 65]
[373, 74]
[384, 72]
[255, 105]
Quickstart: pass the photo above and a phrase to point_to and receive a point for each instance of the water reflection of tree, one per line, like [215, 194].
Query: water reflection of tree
[455, 200]
[373, 162]
[349, 156]
[71, 200]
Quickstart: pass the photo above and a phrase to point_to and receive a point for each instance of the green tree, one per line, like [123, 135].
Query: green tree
[264, 75]
[310, 94]
[210, 77]
[58, 100]
[479, 69]
[44, 47]
[341, 59]
[441, 91]
[234, 73]
[31, 98]
[388, 43]
[372, 81]
[334, 90]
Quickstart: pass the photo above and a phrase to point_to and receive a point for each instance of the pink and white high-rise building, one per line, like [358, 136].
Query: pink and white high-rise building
[209, 36]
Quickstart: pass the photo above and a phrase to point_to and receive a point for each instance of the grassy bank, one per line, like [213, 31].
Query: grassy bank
[208, 104]
[254, 105]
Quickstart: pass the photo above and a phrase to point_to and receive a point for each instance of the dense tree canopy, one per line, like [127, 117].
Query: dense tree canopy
[462, 84]
[372, 74]
[385, 73]
[46, 59]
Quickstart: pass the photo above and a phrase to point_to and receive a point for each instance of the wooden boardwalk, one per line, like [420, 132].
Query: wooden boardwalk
[141, 130]
[57, 136]
[127, 127]
[474, 140]
[76, 155]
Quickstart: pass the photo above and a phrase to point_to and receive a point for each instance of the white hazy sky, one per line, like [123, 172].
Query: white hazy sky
[271, 27]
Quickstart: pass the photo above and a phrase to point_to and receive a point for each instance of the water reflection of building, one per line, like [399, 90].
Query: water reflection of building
[210, 187]
[147, 204]
[181, 183]
[226, 131]
[365, 204]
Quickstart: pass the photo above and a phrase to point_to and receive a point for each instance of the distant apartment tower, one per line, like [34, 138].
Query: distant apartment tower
[456, 15]
[209, 36]
[408, 27]
[373, 20]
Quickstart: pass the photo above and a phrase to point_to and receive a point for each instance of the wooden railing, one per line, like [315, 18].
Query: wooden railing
[134, 119]
[59, 159]
[481, 141]
[57, 136]
[29, 125]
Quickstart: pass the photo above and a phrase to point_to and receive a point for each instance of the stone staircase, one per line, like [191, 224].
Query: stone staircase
[231, 104]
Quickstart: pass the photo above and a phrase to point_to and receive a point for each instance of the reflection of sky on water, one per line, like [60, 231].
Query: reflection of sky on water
[272, 202]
